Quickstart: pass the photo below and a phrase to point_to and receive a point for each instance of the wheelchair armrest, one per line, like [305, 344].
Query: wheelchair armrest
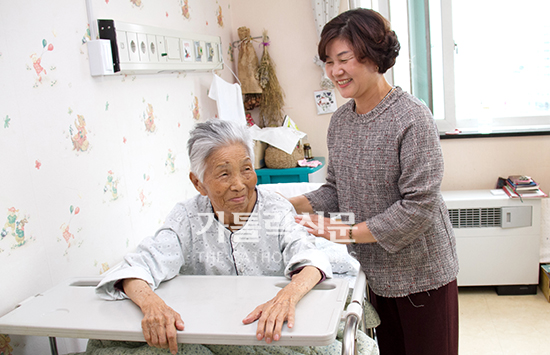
[353, 315]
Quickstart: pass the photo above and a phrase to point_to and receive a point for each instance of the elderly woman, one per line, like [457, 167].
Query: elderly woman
[231, 228]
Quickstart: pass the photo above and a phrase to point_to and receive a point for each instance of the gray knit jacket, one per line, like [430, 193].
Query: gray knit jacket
[386, 167]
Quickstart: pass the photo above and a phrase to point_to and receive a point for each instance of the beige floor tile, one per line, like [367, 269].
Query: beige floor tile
[509, 325]
[524, 344]
[479, 345]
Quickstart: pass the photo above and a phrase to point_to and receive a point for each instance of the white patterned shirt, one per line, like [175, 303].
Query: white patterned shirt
[193, 242]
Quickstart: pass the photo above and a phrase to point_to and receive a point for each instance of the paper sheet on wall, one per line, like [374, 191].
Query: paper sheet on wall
[284, 138]
[229, 100]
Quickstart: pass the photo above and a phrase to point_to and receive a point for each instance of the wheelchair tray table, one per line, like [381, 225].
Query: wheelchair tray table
[212, 308]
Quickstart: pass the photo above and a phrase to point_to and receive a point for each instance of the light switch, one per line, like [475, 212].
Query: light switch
[161, 47]
[173, 48]
[122, 44]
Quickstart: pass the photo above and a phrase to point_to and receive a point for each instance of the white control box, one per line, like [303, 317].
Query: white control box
[101, 60]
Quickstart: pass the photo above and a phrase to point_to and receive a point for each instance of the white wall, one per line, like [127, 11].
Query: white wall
[478, 162]
[87, 204]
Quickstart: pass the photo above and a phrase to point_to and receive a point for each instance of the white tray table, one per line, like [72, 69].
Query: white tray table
[212, 308]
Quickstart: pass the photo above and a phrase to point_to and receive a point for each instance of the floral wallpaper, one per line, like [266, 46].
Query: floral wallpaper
[90, 165]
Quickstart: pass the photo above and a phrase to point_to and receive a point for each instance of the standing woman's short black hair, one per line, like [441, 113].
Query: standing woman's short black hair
[368, 33]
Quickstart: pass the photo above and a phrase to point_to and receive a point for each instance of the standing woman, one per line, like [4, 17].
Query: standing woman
[386, 168]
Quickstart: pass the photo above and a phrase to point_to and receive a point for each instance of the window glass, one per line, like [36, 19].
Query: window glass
[368, 4]
[481, 66]
[436, 60]
[502, 62]
[399, 19]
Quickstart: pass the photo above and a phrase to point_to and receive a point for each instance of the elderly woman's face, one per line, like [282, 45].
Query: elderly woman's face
[229, 181]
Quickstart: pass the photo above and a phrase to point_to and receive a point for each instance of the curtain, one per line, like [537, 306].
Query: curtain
[323, 12]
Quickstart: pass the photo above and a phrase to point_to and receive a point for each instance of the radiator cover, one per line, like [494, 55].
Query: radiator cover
[498, 238]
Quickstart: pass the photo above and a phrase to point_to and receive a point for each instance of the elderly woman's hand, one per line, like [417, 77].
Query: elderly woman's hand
[160, 323]
[272, 314]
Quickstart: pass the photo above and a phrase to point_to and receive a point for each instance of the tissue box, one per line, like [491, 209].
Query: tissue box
[259, 153]
[544, 281]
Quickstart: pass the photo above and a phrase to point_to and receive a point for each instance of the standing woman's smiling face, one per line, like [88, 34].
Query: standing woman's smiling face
[352, 78]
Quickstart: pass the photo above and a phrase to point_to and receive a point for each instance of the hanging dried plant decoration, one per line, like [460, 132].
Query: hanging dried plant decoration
[248, 63]
[271, 108]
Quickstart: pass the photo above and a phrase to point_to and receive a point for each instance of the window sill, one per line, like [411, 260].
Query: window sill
[493, 135]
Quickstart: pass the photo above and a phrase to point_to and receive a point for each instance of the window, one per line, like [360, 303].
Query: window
[481, 66]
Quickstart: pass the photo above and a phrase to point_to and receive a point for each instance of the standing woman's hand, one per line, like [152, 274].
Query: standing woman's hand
[160, 323]
[323, 227]
[301, 204]
[336, 231]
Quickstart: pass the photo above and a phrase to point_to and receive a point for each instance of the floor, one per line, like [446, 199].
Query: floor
[492, 324]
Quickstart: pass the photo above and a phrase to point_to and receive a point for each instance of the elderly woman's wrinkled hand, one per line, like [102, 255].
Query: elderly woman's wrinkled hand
[272, 315]
[160, 323]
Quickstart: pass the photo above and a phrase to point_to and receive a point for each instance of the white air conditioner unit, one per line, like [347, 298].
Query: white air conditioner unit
[498, 239]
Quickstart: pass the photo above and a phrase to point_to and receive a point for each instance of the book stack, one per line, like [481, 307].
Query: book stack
[520, 186]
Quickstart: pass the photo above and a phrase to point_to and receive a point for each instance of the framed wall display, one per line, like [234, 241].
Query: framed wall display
[325, 101]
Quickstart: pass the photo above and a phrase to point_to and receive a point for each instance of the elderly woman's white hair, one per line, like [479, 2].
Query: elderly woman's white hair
[209, 136]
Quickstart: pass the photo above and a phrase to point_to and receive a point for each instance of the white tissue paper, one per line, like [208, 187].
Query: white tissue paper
[284, 138]
[229, 100]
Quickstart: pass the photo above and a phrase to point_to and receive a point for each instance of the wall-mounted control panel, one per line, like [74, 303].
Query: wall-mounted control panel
[138, 49]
